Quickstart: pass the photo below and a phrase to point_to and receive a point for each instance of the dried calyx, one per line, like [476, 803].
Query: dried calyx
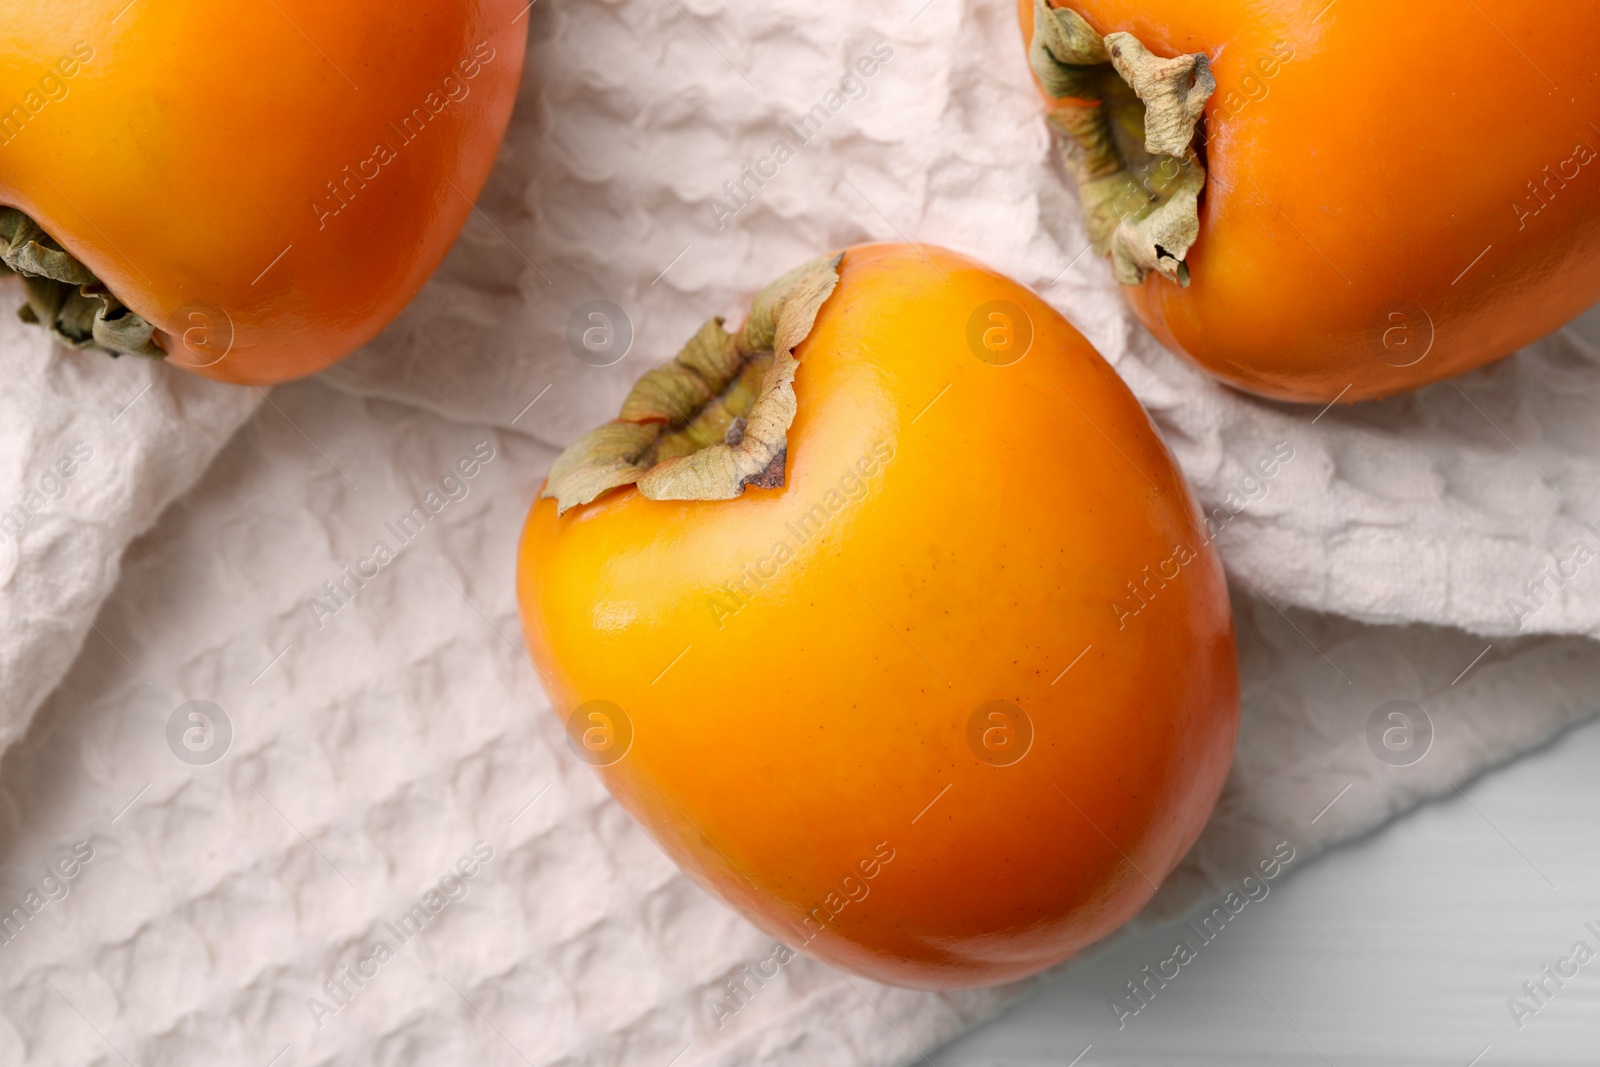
[1128, 119]
[65, 297]
[716, 417]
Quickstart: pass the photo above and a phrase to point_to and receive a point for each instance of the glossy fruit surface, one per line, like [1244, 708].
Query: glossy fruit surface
[268, 183]
[943, 707]
[1371, 223]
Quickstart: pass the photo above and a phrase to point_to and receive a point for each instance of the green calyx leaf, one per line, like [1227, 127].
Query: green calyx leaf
[716, 417]
[1065, 52]
[65, 297]
[1127, 140]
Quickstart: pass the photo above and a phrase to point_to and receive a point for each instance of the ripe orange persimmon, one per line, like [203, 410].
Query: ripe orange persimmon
[1394, 193]
[935, 685]
[263, 186]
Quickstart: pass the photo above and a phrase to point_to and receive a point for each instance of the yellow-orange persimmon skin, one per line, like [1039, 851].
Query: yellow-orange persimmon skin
[1396, 193]
[183, 151]
[954, 532]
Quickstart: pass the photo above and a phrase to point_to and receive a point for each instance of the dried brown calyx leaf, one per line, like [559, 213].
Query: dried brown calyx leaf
[65, 297]
[1128, 127]
[713, 419]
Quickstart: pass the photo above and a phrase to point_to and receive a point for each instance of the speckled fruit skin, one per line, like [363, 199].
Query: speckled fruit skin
[801, 726]
[1361, 158]
[184, 151]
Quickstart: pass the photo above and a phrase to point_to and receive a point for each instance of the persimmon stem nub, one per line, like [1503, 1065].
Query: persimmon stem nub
[1128, 121]
[713, 419]
[65, 297]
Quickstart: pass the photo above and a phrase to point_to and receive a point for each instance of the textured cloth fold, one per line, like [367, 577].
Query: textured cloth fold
[359, 737]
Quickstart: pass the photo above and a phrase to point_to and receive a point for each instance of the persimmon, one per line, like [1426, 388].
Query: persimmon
[249, 190]
[1392, 194]
[890, 617]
